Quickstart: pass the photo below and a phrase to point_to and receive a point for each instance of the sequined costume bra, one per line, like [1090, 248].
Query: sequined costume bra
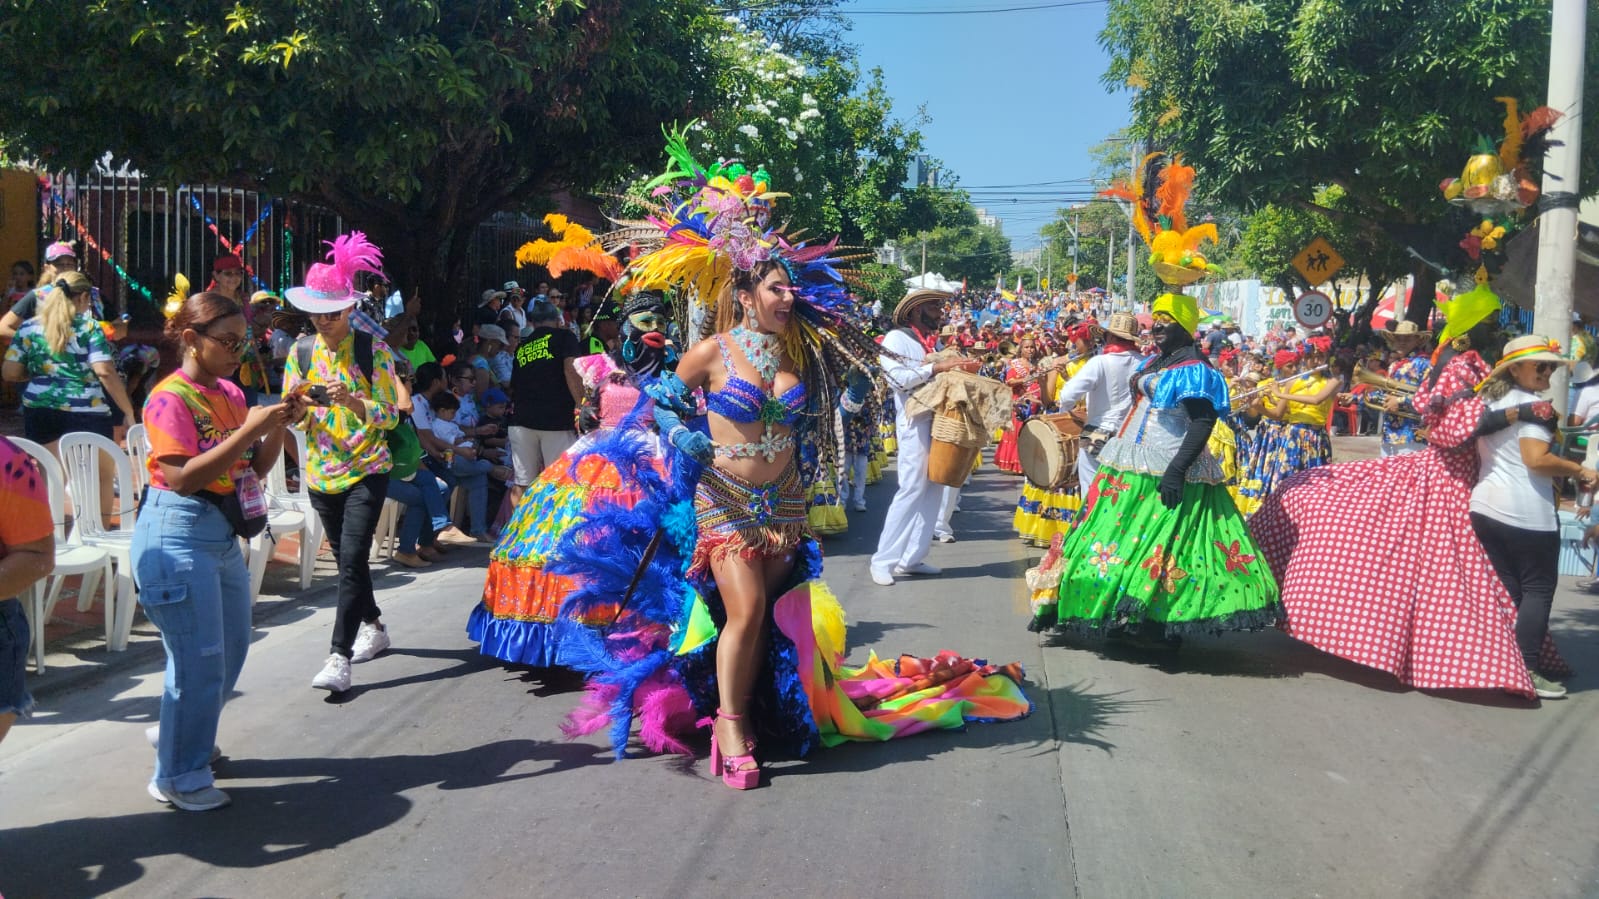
[746, 403]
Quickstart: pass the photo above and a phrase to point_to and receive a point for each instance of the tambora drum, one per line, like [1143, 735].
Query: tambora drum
[1047, 446]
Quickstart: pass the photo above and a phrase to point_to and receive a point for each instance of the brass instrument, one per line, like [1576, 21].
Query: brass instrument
[1269, 385]
[1374, 400]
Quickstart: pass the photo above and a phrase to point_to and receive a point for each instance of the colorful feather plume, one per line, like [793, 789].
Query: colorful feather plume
[575, 248]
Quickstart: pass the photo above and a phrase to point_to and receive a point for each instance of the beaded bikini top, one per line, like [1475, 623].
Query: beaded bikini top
[746, 403]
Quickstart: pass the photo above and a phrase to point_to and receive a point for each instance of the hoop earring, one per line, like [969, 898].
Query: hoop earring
[629, 351]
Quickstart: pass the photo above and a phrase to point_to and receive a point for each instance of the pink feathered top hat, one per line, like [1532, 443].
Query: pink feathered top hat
[330, 286]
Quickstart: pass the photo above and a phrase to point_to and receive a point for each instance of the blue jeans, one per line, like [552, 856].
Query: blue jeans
[194, 587]
[425, 514]
[473, 474]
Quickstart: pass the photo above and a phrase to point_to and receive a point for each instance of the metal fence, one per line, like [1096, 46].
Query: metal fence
[134, 235]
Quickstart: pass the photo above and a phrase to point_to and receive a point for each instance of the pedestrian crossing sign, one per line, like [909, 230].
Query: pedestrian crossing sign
[1318, 262]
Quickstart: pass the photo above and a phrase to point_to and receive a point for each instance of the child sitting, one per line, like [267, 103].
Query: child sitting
[471, 465]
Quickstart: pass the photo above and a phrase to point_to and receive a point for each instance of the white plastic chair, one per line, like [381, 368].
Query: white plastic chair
[90, 562]
[386, 541]
[82, 454]
[138, 440]
[283, 501]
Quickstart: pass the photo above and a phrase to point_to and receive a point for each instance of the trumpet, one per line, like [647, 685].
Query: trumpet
[1269, 385]
[1373, 379]
[1384, 385]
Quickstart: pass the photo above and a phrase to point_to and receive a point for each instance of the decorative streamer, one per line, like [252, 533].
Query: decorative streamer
[235, 249]
[88, 239]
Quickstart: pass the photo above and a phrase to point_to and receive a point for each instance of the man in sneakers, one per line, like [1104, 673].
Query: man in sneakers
[347, 379]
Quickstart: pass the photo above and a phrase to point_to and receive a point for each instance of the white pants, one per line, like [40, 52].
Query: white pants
[532, 451]
[1087, 470]
[908, 529]
[946, 508]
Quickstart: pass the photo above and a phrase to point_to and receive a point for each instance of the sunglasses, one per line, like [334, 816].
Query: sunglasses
[234, 345]
[327, 316]
[1544, 368]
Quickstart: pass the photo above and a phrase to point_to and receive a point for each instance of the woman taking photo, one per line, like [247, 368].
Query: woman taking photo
[1513, 503]
[208, 453]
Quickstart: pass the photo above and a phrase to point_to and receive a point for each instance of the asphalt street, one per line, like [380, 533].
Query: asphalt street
[1236, 767]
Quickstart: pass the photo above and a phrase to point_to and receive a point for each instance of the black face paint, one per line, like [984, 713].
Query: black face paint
[1170, 336]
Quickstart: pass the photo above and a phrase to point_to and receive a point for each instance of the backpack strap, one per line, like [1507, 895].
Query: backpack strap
[363, 353]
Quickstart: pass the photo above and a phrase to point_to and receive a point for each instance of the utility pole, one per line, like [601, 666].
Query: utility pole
[1077, 238]
[1557, 220]
[924, 260]
[1132, 234]
[1110, 260]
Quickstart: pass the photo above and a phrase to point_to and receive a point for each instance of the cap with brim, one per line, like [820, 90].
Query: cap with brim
[1531, 348]
[320, 302]
[264, 297]
[491, 332]
[915, 300]
[59, 249]
[227, 263]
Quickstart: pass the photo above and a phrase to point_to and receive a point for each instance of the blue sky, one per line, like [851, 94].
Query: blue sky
[1015, 98]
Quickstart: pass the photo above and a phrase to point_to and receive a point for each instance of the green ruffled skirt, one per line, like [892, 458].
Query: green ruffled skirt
[1193, 569]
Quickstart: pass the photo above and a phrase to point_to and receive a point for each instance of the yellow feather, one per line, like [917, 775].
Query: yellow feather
[537, 252]
[557, 222]
[827, 622]
[1510, 149]
[1194, 235]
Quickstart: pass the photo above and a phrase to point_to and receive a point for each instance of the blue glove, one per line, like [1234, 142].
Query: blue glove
[669, 392]
[679, 435]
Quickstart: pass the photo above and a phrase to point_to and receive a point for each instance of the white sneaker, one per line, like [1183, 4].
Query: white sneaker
[944, 538]
[334, 676]
[882, 578]
[370, 640]
[921, 568]
[153, 734]
[201, 800]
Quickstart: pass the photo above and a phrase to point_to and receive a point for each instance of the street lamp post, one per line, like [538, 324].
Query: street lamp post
[1557, 219]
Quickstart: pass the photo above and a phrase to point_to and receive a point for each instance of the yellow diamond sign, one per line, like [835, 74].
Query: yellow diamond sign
[1318, 262]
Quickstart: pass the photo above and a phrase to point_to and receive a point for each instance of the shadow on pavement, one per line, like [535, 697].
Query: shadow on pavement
[867, 634]
[327, 803]
[467, 661]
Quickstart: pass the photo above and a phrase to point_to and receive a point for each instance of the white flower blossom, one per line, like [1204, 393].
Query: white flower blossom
[749, 130]
[812, 113]
[799, 177]
[807, 99]
[782, 120]
[791, 135]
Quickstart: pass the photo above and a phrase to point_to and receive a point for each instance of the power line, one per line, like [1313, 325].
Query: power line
[973, 11]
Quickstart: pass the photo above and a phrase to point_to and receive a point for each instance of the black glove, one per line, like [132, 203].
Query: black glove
[1202, 420]
[1494, 420]
[1171, 487]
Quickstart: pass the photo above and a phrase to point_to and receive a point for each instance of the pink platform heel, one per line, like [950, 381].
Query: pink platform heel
[732, 768]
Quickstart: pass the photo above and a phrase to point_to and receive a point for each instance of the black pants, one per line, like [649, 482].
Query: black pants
[350, 520]
[1528, 563]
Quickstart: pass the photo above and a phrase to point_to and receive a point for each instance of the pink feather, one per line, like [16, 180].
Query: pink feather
[347, 255]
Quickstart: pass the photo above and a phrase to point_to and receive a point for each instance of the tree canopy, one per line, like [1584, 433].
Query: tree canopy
[1274, 100]
[415, 121]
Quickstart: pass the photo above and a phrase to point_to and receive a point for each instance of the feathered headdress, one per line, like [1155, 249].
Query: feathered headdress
[1159, 193]
[575, 248]
[330, 286]
[705, 223]
[1496, 182]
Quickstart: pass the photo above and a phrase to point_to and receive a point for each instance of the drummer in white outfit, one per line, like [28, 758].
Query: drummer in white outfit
[1106, 381]
[908, 529]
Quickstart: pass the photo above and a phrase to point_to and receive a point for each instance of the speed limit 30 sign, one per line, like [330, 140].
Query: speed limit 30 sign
[1312, 308]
